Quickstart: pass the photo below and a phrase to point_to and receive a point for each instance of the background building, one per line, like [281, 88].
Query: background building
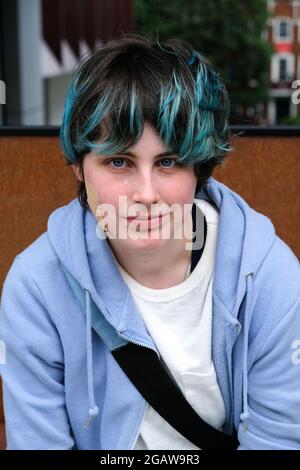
[283, 32]
[41, 41]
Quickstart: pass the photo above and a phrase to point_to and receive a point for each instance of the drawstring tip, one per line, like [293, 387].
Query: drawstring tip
[244, 417]
[92, 412]
[90, 419]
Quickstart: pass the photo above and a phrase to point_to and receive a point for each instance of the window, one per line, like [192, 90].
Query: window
[282, 69]
[282, 30]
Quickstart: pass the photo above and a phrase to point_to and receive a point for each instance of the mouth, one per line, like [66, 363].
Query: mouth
[139, 219]
[149, 223]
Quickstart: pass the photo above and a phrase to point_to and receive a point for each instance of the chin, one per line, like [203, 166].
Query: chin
[146, 244]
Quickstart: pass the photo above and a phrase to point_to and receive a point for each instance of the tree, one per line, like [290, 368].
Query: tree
[228, 32]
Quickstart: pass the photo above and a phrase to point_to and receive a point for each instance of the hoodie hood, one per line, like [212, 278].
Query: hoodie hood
[245, 237]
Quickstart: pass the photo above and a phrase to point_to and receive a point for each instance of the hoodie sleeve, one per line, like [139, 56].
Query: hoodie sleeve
[274, 388]
[32, 369]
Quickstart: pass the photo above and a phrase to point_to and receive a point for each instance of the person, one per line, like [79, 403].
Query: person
[145, 124]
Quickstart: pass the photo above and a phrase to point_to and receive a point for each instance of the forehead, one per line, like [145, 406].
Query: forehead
[150, 144]
[150, 139]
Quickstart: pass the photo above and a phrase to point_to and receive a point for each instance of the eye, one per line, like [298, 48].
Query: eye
[119, 160]
[169, 160]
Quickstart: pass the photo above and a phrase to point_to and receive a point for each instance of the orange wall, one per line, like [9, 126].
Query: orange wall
[35, 181]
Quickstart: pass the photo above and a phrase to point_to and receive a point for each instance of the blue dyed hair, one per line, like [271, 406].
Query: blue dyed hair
[133, 80]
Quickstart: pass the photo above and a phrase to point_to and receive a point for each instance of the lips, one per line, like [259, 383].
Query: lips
[146, 218]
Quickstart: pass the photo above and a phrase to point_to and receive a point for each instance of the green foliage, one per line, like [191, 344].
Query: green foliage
[228, 32]
[291, 121]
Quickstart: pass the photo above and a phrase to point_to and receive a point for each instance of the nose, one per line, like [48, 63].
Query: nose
[145, 190]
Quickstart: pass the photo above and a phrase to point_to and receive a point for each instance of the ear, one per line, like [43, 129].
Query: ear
[77, 172]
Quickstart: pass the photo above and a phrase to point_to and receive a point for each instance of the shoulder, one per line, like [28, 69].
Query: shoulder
[37, 252]
[39, 257]
[279, 274]
[34, 258]
[275, 297]
[30, 270]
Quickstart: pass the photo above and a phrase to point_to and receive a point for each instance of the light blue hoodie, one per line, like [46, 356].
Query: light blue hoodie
[59, 373]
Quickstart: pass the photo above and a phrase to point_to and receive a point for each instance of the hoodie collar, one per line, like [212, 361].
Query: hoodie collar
[245, 237]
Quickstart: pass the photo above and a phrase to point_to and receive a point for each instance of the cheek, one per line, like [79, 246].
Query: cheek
[95, 185]
[103, 188]
[182, 188]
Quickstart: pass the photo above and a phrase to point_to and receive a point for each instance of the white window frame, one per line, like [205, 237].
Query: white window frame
[276, 29]
[290, 58]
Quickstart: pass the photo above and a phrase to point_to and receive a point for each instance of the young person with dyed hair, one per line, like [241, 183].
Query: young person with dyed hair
[145, 124]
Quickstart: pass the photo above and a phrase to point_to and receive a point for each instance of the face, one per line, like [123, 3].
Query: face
[150, 181]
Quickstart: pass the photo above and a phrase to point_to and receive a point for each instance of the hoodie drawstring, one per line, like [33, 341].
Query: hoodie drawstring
[245, 414]
[93, 410]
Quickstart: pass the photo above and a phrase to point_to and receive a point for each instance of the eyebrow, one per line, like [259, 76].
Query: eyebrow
[164, 154]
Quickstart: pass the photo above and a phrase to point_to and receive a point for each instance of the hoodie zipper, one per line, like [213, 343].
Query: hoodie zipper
[234, 332]
[146, 403]
[139, 430]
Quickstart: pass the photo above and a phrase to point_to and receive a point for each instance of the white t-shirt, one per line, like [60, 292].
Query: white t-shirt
[179, 321]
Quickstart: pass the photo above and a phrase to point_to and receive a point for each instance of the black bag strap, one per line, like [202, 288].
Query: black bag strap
[196, 254]
[150, 376]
